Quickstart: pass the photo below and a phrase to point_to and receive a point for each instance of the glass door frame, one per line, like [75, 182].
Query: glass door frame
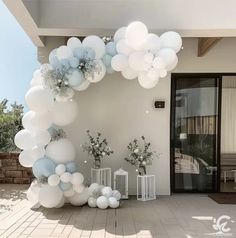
[175, 76]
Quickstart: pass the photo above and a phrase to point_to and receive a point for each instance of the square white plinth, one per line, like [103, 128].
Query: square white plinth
[101, 176]
[146, 187]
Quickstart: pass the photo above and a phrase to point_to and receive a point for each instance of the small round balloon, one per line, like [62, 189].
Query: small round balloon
[102, 202]
[92, 202]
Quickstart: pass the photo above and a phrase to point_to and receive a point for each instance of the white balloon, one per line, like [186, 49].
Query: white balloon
[73, 43]
[148, 58]
[61, 203]
[136, 60]
[64, 113]
[152, 43]
[171, 40]
[25, 159]
[93, 188]
[60, 169]
[136, 33]
[42, 120]
[97, 75]
[123, 48]
[79, 199]
[102, 202]
[95, 43]
[50, 197]
[24, 140]
[163, 73]
[92, 202]
[83, 86]
[33, 192]
[145, 81]
[61, 151]
[75, 77]
[129, 73]
[120, 34]
[79, 188]
[107, 192]
[26, 120]
[37, 78]
[77, 178]
[153, 74]
[41, 137]
[113, 203]
[64, 52]
[69, 193]
[116, 194]
[39, 99]
[119, 62]
[37, 152]
[53, 180]
[158, 63]
[168, 55]
[66, 177]
[170, 67]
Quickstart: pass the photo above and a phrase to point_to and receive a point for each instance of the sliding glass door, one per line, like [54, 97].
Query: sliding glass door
[194, 122]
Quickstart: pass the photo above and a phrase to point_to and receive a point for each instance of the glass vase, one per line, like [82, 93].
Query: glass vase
[97, 162]
[142, 170]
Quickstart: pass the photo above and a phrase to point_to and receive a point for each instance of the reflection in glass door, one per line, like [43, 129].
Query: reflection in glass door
[194, 133]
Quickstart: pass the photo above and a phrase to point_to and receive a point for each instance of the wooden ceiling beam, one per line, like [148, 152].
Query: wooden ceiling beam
[205, 44]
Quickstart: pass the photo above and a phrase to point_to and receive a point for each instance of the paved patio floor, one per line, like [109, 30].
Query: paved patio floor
[186, 216]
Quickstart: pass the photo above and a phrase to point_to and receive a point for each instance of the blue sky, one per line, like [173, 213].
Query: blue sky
[18, 58]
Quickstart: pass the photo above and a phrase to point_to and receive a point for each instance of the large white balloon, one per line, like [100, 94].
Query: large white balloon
[145, 81]
[69, 193]
[97, 75]
[123, 48]
[64, 52]
[42, 120]
[92, 202]
[83, 86]
[168, 55]
[113, 203]
[102, 202]
[171, 40]
[41, 137]
[120, 34]
[53, 180]
[25, 158]
[39, 99]
[152, 43]
[33, 192]
[129, 73]
[49, 196]
[38, 152]
[95, 43]
[119, 62]
[61, 151]
[73, 43]
[27, 120]
[79, 199]
[136, 60]
[64, 113]
[136, 34]
[24, 140]
[79, 188]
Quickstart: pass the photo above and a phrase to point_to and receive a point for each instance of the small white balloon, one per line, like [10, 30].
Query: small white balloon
[148, 57]
[172, 66]
[92, 202]
[66, 177]
[27, 120]
[64, 113]
[136, 60]
[93, 188]
[79, 188]
[39, 99]
[77, 178]
[171, 40]
[60, 169]
[119, 62]
[37, 152]
[120, 34]
[25, 159]
[136, 34]
[168, 55]
[61, 151]
[145, 81]
[152, 43]
[113, 203]
[116, 194]
[163, 73]
[64, 52]
[42, 120]
[33, 192]
[129, 73]
[107, 192]
[24, 140]
[123, 48]
[83, 86]
[41, 137]
[95, 43]
[53, 180]
[69, 193]
[158, 63]
[153, 74]
[97, 75]
[74, 43]
[37, 78]
[102, 202]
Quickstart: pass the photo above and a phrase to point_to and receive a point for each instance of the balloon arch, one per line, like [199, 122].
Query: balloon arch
[72, 67]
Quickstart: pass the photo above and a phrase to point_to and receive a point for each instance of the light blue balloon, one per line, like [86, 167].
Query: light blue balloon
[75, 77]
[107, 60]
[110, 70]
[65, 186]
[65, 63]
[79, 53]
[72, 167]
[53, 60]
[43, 168]
[111, 48]
[74, 62]
[89, 53]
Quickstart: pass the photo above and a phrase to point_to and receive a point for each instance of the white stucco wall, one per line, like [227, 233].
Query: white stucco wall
[121, 110]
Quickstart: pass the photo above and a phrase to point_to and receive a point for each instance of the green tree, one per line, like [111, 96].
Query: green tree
[10, 124]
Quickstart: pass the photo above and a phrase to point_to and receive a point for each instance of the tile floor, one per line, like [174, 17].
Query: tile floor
[178, 216]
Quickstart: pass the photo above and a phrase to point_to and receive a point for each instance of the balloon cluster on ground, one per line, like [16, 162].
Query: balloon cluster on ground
[73, 67]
